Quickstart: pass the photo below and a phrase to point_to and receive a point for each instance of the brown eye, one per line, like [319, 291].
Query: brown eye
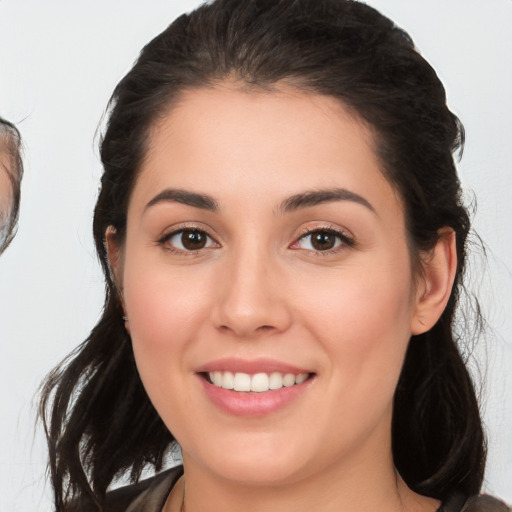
[323, 240]
[193, 240]
[189, 240]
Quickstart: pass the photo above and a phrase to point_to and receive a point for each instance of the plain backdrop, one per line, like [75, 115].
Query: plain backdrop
[59, 62]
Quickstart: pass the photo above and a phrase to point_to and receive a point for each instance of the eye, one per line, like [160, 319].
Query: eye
[322, 240]
[189, 240]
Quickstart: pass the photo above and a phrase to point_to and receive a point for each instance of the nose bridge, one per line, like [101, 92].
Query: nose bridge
[251, 300]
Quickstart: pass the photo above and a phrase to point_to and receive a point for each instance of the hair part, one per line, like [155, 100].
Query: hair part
[340, 48]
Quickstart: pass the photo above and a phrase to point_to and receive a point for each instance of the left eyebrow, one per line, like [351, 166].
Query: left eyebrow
[316, 197]
[201, 201]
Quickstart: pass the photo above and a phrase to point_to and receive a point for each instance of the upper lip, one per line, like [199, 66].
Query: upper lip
[261, 365]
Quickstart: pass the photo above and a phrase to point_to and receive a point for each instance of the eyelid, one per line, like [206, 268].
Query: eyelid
[346, 238]
[175, 230]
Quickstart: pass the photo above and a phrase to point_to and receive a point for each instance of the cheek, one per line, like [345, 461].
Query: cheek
[5, 199]
[166, 310]
[363, 320]
[165, 314]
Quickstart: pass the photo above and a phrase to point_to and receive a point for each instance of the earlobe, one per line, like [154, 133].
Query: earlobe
[435, 284]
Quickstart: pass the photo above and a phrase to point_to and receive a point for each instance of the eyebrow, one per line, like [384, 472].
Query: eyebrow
[316, 197]
[202, 201]
[295, 202]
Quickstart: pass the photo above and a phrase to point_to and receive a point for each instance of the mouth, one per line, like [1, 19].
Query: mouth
[255, 383]
[254, 388]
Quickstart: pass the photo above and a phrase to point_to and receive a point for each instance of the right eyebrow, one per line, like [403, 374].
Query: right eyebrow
[194, 199]
[316, 197]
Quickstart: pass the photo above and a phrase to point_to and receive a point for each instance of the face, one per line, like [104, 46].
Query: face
[5, 192]
[265, 251]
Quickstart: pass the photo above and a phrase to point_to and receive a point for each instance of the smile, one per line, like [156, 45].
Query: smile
[254, 388]
[257, 383]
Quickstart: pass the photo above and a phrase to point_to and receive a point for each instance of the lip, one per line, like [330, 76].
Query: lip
[261, 365]
[251, 404]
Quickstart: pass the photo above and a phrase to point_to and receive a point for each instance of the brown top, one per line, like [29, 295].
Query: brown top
[150, 496]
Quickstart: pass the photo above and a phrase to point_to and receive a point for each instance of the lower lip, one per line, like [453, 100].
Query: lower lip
[250, 404]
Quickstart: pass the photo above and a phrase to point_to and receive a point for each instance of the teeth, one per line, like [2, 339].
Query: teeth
[228, 380]
[275, 381]
[258, 383]
[301, 378]
[242, 382]
[289, 380]
[216, 378]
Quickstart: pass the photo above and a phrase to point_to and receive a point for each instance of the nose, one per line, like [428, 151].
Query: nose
[252, 297]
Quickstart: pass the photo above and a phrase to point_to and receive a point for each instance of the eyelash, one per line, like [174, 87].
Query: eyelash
[345, 241]
[164, 240]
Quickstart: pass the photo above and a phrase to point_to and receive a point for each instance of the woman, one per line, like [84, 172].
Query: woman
[283, 240]
[11, 171]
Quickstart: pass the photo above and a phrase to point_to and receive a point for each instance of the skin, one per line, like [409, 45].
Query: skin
[5, 188]
[258, 289]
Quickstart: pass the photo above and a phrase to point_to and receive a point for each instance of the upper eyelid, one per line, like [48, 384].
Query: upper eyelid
[343, 233]
[346, 236]
[187, 227]
[163, 241]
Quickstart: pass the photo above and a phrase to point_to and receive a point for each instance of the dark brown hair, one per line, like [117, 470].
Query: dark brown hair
[12, 166]
[99, 421]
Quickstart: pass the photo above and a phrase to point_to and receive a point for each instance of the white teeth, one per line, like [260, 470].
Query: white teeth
[228, 380]
[217, 378]
[258, 383]
[242, 382]
[302, 377]
[289, 380]
[275, 381]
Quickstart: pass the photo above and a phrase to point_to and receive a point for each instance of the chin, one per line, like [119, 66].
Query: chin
[254, 464]
[266, 473]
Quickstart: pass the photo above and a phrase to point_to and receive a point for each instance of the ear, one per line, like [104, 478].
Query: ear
[435, 284]
[115, 263]
[114, 257]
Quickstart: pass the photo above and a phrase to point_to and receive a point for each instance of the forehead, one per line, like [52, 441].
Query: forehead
[270, 118]
[230, 141]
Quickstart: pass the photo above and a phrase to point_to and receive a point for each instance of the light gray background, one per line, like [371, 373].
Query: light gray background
[59, 61]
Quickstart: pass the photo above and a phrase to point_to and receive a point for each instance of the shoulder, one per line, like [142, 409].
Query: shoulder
[483, 503]
[146, 496]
